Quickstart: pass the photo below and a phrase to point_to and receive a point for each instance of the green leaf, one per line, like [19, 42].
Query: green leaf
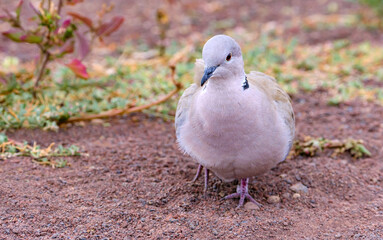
[31, 38]
[3, 138]
[22, 37]
[18, 9]
[364, 150]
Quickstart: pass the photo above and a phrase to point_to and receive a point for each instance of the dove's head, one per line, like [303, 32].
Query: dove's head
[223, 58]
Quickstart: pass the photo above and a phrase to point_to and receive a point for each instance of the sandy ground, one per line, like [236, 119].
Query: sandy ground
[135, 184]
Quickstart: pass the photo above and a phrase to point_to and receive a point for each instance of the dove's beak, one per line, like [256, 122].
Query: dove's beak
[208, 73]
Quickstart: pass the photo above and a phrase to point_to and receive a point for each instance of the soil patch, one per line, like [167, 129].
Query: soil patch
[135, 184]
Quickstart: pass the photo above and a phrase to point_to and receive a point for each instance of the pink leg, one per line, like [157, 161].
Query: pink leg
[242, 193]
[206, 176]
[198, 173]
[206, 179]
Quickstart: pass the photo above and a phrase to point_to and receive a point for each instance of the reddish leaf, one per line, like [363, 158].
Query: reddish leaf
[83, 46]
[3, 18]
[66, 23]
[73, 2]
[63, 26]
[68, 47]
[107, 28]
[22, 37]
[78, 68]
[83, 19]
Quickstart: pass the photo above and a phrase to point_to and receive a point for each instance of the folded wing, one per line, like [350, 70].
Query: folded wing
[277, 95]
[186, 99]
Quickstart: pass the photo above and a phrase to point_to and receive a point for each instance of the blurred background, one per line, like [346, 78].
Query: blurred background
[306, 45]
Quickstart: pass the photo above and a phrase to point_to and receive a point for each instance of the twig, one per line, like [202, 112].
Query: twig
[116, 112]
[59, 7]
[42, 68]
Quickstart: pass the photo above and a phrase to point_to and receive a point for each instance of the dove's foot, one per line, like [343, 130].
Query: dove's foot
[243, 193]
[198, 173]
[206, 176]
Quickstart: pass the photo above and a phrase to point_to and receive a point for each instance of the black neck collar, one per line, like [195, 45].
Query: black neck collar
[245, 84]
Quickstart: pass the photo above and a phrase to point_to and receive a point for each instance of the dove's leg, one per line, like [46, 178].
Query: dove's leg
[198, 173]
[243, 193]
[206, 179]
[206, 176]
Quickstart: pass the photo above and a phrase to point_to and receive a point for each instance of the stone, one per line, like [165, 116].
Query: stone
[273, 199]
[251, 206]
[286, 195]
[299, 187]
[296, 195]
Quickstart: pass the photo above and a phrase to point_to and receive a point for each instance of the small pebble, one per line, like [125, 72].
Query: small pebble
[296, 195]
[251, 206]
[135, 119]
[80, 124]
[193, 225]
[286, 195]
[299, 187]
[374, 180]
[273, 199]
[97, 121]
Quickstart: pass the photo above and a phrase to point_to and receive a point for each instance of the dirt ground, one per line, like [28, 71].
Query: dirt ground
[135, 183]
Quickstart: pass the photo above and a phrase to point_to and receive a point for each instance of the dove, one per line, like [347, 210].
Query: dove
[234, 124]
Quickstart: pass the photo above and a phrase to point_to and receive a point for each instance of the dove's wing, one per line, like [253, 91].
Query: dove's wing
[185, 101]
[278, 96]
[199, 68]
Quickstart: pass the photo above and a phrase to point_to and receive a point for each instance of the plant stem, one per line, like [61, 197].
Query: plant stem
[116, 112]
[60, 4]
[42, 68]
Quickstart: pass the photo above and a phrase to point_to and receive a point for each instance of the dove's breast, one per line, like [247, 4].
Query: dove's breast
[236, 134]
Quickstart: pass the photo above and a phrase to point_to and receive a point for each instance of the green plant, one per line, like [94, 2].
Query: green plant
[372, 17]
[45, 156]
[376, 5]
[57, 35]
[311, 146]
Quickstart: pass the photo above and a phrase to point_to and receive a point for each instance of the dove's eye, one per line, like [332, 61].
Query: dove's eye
[228, 57]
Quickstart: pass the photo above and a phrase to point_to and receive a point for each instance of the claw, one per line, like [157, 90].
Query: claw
[243, 193]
